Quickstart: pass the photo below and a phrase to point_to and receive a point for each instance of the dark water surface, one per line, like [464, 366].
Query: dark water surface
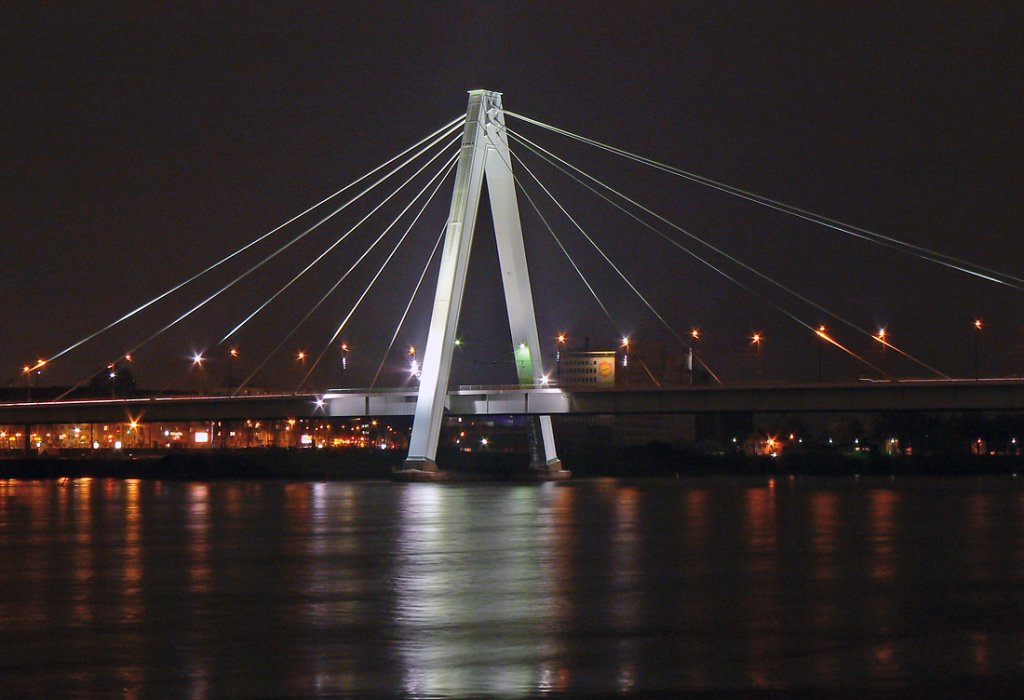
[127, 588]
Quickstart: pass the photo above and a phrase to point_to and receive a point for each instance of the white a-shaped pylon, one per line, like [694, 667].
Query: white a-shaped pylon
[484, 153]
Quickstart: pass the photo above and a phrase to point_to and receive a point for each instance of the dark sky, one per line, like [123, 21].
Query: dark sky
[143, 141]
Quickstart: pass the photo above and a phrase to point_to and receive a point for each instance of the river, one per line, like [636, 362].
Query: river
[175, 589]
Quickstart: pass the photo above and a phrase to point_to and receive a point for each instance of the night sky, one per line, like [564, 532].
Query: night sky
[141, 142]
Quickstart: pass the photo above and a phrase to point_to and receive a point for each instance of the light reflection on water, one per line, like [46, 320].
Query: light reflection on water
[141, 588]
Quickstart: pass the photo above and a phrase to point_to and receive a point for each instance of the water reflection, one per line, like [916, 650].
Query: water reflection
[141, 588]
[468, 565]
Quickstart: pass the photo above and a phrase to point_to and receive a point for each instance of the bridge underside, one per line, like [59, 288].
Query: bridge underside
[996, 395]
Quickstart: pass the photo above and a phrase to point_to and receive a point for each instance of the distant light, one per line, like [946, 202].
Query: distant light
[233, 352]
[202, 437]
[483, 441]
[117, 445]
[544, 380]
[458, 342]
[977, 323]
[625, 341]
[412, 349]
[128, 356]
[197, 359]
[560, 338]
[695, 333]
[344, 347]
[320, 402]
[756, 338]
[301, 356]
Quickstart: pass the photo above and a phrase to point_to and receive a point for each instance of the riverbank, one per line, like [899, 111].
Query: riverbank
[653, 460]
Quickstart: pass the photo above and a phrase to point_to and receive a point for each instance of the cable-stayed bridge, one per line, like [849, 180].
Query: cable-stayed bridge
[477, 150]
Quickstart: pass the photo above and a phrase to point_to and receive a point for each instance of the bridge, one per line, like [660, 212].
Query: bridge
[862, 397]
[483, 158]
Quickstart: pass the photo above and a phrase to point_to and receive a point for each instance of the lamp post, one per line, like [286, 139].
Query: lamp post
[344, 359]
[559, 349]
[695, 335]
[756, 342]
[300, 363]
[625, 360]
[881, 338]
[232, 359]
[414, 364]
[977, 334]
[821, 332]
[197, 362]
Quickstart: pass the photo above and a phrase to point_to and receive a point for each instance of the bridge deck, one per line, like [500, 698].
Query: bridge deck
[1001, 394]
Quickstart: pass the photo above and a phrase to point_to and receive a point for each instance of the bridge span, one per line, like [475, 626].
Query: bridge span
[964, 395]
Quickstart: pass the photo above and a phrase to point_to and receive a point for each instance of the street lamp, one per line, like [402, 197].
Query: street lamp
[197, 362]
[32, 370]
[881, 338]
[559, 349]
[344, 357]
[821, 333]
[692, 357]
[755, 340]
[414, 364]
[977, 334]
[232, 359]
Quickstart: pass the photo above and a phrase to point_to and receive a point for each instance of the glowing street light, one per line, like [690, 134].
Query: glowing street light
[414, 364]
[695, 334]
[822, 333]
[344, 357]
[977, 334]
[197, 362]
[755, 340]
[230, 372]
